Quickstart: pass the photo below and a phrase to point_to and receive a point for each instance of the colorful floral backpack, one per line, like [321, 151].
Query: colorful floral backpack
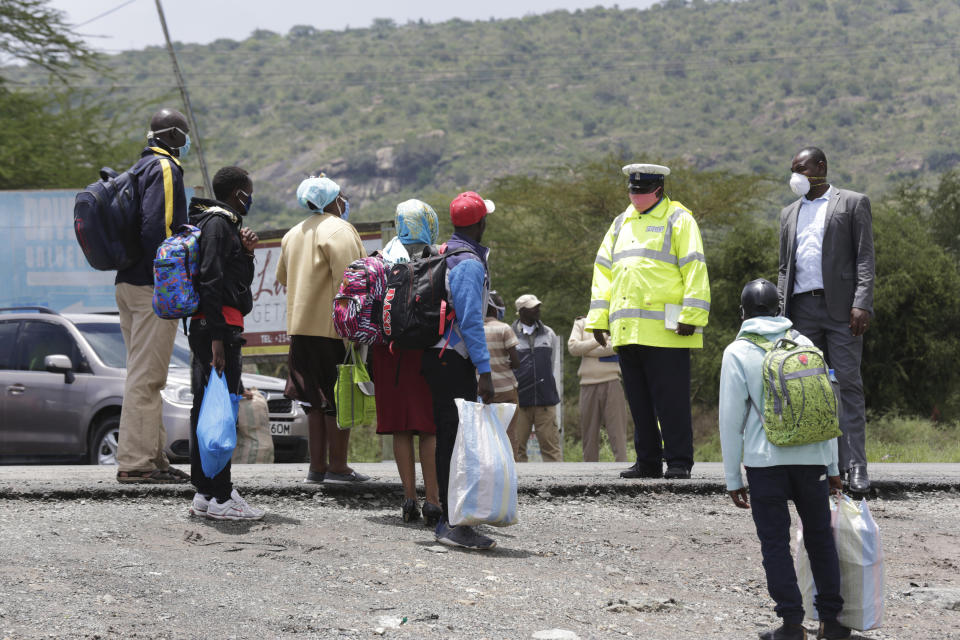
[358, 305]
[176, 265]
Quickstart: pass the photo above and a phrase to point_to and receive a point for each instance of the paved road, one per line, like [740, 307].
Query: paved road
[566, 478]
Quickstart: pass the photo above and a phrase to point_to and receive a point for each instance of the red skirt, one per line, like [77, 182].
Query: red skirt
[404, 401]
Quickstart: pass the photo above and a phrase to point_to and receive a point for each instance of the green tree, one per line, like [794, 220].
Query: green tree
[912, 348]
[57, 138]
[55, 141]
[32, 32]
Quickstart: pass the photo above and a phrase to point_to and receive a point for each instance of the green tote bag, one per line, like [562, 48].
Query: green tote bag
[356, 405]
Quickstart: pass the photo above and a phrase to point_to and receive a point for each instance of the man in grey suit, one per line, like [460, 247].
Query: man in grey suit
[826, 285]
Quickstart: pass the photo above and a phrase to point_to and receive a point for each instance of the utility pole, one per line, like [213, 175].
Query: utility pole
[208, 187]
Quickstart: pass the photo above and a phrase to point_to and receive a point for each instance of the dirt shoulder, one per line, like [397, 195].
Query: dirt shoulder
[657, 565]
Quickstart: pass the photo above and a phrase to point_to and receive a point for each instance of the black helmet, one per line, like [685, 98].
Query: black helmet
[759, 298]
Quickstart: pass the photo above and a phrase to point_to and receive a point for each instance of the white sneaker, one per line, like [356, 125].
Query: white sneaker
[199, 505]
[236, 508]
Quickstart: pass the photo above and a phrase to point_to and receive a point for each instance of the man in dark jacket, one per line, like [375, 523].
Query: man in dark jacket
[223, 285]
[538, 388]
[149, 339]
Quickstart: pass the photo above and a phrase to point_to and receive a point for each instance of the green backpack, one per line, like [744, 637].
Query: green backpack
[799, 403]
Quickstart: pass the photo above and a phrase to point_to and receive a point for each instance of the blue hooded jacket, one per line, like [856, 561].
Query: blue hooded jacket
[469, 285]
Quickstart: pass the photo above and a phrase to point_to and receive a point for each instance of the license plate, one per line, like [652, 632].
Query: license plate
[279, 428]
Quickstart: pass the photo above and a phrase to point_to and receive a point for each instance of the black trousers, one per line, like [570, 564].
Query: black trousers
[220, 486]
[449, 377]
[657, 384]
[808, 488]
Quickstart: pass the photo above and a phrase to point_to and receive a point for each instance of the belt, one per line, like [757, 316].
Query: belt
[815, 293]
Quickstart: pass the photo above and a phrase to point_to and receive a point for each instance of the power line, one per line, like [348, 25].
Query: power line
[105, 13]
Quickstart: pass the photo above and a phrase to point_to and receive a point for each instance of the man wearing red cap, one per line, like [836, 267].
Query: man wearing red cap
[453, 372]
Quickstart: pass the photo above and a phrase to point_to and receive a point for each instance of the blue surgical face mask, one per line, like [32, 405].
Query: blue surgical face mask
[248, 203]
[181, 151]
[185, 149]
[346, 210]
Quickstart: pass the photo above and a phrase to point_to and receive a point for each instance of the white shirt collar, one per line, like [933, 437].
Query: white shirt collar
[825, 196]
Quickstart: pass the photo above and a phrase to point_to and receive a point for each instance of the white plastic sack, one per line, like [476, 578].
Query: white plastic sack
[861, 565]
[483, 478]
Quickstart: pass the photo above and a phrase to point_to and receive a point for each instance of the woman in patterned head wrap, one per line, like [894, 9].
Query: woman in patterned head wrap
[417, 227]
[404, 403]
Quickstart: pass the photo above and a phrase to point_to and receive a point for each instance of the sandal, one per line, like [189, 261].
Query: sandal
[147, 477]
[177, 473]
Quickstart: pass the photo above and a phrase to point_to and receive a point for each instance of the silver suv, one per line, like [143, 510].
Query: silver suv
[62, 377]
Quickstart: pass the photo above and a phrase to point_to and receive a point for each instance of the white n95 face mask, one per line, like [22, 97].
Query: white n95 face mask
[799, 184]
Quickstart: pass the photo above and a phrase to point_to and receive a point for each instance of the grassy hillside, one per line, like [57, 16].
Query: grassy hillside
[397, 110]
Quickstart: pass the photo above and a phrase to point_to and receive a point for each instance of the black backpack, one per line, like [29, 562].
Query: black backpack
[415, 306]
[106, 219]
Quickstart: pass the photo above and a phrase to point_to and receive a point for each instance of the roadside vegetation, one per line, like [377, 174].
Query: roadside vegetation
[539, 113]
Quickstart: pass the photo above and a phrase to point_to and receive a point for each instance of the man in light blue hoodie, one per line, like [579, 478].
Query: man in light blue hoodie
[804, 474]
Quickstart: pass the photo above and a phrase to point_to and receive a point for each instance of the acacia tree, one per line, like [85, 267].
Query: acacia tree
[32, 32]
[52, 136]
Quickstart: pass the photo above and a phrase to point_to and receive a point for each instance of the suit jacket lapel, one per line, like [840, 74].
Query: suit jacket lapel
[792, 216]
[831, 207]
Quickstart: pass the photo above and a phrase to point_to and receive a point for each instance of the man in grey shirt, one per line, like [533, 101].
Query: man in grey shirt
[826, 285]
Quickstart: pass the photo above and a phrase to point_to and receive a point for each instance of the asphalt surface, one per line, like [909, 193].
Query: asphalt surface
[566, 478]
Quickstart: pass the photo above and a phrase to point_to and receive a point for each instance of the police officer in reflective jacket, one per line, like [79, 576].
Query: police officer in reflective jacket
[651, 294]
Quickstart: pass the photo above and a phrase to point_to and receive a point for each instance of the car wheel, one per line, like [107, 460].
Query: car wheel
[103, 444]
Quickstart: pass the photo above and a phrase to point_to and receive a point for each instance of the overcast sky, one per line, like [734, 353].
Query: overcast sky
[134, 25]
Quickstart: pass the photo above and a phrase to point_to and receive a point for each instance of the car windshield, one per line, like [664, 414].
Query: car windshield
[107, 340]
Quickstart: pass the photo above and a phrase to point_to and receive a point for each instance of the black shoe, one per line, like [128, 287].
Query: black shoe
[643, 471]
[677, 472]
[431, 514]
[411, 513]
[858, 480]
[786, 632]
[833, 630]
[314, 477]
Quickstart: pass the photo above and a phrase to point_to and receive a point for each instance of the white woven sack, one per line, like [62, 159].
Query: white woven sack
[861, 566]
[483, 478]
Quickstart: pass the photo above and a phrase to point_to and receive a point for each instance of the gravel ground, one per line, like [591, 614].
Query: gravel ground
[674, 566]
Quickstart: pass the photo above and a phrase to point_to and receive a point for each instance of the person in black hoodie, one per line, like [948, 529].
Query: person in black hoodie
[223, 285]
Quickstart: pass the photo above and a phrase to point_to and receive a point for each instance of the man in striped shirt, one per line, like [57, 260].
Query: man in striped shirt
[502, 344]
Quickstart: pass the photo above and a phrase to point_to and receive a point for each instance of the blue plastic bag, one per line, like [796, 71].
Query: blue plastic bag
[217, 425]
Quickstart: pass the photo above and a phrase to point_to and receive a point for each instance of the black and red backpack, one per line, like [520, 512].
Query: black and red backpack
[416, 307]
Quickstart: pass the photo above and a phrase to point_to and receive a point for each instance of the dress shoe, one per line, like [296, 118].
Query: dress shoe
[858, 480]
[643, 471]
[832, 630]
[786, 632]
[677, 472]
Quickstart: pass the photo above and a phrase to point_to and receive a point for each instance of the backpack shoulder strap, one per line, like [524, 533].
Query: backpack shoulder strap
[758, 340]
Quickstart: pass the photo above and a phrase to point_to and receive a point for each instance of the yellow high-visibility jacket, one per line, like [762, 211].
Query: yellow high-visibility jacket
[645, 262]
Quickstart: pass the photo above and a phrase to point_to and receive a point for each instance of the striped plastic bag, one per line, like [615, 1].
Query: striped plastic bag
[483, 478]
[861, 565]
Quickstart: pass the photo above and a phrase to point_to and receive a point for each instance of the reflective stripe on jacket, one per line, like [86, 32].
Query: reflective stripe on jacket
[644, 263]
